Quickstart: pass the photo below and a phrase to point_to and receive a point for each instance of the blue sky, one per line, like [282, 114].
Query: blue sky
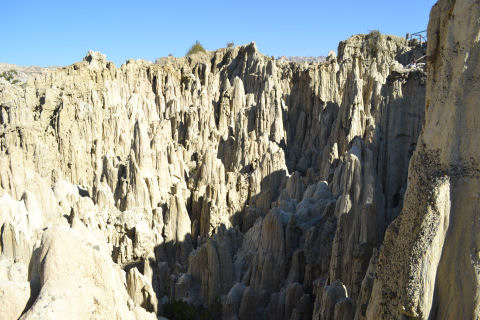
[61, 32]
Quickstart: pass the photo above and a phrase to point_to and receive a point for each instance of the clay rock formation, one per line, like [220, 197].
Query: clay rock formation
[255, 187]
[76, 280]
[22, 73]
[211, 173]
[436, 237]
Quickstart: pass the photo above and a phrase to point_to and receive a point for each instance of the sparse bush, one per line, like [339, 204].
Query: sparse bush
[193, 171]
[374, 44]
[181, 310]
[216, 309]
[10, 76]
[230, 44]
[374, 34]
[197, 47]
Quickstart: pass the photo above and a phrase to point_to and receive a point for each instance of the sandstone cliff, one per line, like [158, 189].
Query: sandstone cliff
[259, 187]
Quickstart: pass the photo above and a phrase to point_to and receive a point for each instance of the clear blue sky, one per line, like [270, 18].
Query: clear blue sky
[61, 32]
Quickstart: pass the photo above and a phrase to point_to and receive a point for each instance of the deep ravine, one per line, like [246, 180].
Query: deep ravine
[258, 188]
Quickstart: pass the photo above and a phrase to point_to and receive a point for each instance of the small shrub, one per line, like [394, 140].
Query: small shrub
[374, 34]
[193, 171]
[230, 44]
[181, 310]
[216, 309]
[9, 76]
[197, 47]
[373, 38]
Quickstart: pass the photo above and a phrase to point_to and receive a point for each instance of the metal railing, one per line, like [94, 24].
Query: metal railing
[421, 36]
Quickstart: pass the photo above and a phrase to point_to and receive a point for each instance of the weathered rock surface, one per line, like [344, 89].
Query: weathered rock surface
[22, 73]
[215, 172]
[429, 266]
[77, 280]
[259, 187]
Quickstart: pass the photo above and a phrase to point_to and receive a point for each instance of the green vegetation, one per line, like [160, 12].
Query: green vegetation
[374, 42]
[9, 76]
[216, 309]
[181, 310]
[374, 34]
[193, 171]
[197, 47]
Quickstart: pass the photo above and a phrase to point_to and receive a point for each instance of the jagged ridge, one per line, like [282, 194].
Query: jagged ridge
[221, 175]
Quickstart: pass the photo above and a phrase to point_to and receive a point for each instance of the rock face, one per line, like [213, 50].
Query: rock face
[429, 265]
[76, 280]
[256, 187]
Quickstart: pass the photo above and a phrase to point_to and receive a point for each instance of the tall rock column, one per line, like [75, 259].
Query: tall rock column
[429, 264]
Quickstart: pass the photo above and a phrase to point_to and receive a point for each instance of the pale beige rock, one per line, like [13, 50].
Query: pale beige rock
[428, 266]
[216, 171]
[77, 280]
[211, 265]
[13, 298]
[23, 72]
[333, 298]
[15, 290]
[141, 291]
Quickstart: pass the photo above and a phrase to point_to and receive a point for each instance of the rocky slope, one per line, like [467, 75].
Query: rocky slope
[22, 73]
[256, 187]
